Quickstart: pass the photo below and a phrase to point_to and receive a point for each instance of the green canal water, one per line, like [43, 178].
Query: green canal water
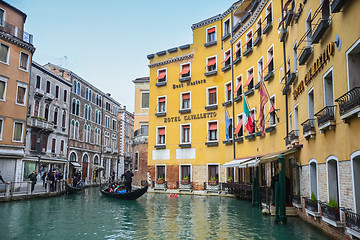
[92, 216]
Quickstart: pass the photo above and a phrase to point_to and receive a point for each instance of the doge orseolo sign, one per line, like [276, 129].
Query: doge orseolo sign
[316, 66]
[190, 117]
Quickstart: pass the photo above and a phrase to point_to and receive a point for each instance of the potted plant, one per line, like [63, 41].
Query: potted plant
[314, 201]
[213, 181]
[230, 179]
[333, 208]
[160, 180]
[185, 180]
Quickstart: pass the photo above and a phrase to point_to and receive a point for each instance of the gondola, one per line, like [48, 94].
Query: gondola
[70, 189]
[135, 194]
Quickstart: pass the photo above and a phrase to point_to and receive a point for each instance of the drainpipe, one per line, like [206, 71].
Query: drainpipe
[285, 71]
[232, 85]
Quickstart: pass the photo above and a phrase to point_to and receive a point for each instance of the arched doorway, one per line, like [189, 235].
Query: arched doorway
[85, 167]
[72, 165]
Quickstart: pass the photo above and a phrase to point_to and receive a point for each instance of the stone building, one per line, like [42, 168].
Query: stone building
[93, 133]
[47, 122]
[16, 50]
[126, 131]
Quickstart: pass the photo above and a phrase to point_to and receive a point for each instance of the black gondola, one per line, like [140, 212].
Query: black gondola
[135, 194]
[70, 189]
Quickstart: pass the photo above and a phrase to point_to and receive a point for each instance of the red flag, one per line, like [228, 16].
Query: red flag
[263, 100]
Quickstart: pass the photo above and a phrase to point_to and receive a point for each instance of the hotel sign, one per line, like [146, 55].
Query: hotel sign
[315, 68]
[188, 84]
[190, 117]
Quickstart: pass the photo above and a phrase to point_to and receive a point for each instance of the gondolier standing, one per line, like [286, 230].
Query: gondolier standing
[128, 180]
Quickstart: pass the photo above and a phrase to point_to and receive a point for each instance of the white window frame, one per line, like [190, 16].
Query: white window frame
[272, 12]
[166, 75]
[4, 17]
[308, 18]
[225, 91]
[2, 119]
[308, 98]
[27, 63]
[5, 80]
[295, 58]
[20, 84]
[181, 100]
[317, 177]
[181, 68]
[157, 136]
[226, 33]
[332, 157]
[186, 165]
[142, 97]
[8, 54]
[240, 50]
[238, 121]
[216, 64]
[238, 81]
[156, 171]
[290, 122]
[247, 38]
[269, 55]
[207, 96]
[208, 131]
[329, 72]
[181, 133]
[272, 97]
[206, 31]
[112, 124]
[247, 77]
[22, 131]
[158, 104]
[107, 121]
[225, 52]
[231, 133]
[260, 71]
[296, 117]
[207, 170]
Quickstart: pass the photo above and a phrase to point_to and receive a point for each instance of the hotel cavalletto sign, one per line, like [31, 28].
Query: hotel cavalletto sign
[314, 69]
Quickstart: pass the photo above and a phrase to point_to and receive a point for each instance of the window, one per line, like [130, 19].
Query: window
[296, 118]
[48, 84]
[114, 110]
[86, 112]
[295, 59]
[78, 88]
[227, 27]
[86, 93]
[325, 9]
[212, 96]
[328, 89]
[53, 144]
[3, 83]
[107, 106]
[250, 79]
[33, 141]
[260, 69]
[136, 161]
[332, 178]
[185, 133]
[161, 104]
[313, 178]
[18, 131]
[238, 50]
[213, 172]
[114, 123]
[62, 143]
[185, 70]
[160, 172]
[185, 100]
[258, 29]
[161, 75]
[56, 116]
[38, 82]
[211, 35]
[308, 30]
[44, 140]
[239, 128]
[272, 111]
[238, 88]
[64, 119]
[311, 104]
[290, 122]
[107, 121]
[145, 100]
[161, 132]
[230, 129]
[228, 92]
[36, 108]
[212, 131]
[46, 115]
[211, 64]
[74, 86]
[57, 89]
[4, 53]
[269, 14]
[1, 127]
[2, 17]
[249, 42]
[65, 95]
[21, 94]
[270, 62]
[185, 172]
[24, 61]
[227, 58]
[90, 95]
[77, 107]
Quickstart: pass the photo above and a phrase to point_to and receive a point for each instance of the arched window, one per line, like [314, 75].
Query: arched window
[355, 159]
[89, 114]
[86, 112]
[332, 177]
[90, 95]
[77, 130]
[88, 133]
[64, 119]
[65, 95]
[73, 157]
[74, 86]
[85, 158]
[73, 110]
[96, 160]
[86, 93]
[77, 107]
[313, 178]
[57, 89]
[78, 88]
[56, 116]
[46, 116]
[36, 108]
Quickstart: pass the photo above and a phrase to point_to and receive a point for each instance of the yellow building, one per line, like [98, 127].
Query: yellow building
[16, 51]
[141, 109]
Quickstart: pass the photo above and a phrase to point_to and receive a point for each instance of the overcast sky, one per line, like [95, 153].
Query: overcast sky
[106, 42]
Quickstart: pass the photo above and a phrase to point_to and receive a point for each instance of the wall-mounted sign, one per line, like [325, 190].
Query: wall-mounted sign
[190, 117]
[188, 84]
[314, 69]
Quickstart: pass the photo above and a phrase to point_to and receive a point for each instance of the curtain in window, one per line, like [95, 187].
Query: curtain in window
[23, 61]
[18, 131]
[3, 53]
[2, 89]
[21, 95]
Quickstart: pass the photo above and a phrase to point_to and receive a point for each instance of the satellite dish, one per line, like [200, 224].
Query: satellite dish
[337, 42]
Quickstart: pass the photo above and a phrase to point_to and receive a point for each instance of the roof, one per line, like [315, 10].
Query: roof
[142, 80]
[14, 8]
[41, 68]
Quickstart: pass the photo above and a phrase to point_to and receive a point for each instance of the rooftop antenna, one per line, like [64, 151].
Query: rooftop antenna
[66, 58]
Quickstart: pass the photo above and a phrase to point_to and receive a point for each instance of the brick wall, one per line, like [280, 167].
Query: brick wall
[304, 181]
[322, 182]
[142, 172]
[346, 185]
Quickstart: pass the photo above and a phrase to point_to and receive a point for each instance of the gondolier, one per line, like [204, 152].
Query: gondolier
[128, 180]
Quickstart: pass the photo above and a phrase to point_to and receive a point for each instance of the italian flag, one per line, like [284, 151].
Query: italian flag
[248, 121]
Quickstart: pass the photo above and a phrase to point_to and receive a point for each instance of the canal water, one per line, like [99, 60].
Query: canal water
[92, 216]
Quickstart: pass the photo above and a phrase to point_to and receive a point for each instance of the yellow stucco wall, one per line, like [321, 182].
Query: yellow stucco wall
[141, 115]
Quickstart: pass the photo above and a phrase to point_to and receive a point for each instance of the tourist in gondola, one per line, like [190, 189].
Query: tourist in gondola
[128, 180]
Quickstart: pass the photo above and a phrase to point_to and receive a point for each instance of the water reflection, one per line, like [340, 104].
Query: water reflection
[92, 216]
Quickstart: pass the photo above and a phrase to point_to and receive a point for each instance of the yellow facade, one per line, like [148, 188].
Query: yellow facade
[141, 112]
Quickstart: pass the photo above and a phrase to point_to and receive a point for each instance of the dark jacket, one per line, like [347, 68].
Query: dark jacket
[32, 177]
[128, 177]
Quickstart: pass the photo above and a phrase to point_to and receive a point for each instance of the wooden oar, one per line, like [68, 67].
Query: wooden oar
[148, 192]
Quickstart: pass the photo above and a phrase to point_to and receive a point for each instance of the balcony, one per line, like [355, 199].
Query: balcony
[258, 37]
[352, 223]
[160, 185]
[326, 118]
[336, 5]
[331, 215]
[184, 185]
[114, 150]
[309, 128]
[269, 75]
[39, 92]
[322, 25]
[294, 137]
[268, 25]
[40, 123]
[311, 207]
[291, 78]
[16, 32]
[49, 96]
[305, 54]
[107, 149]
[212, 186]
[286, 89]
[288, 18]
[141, 132]
[349, 104]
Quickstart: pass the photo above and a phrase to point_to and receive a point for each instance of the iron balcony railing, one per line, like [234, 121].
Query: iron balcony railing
[349, 100]
[141, 132]
[16, 32]
[326, 114]
[308, 125]
[311, 205]
[352, 220]
[332, 213]
[293, 135]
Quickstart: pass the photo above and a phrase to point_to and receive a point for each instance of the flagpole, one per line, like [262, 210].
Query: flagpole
[232, 88]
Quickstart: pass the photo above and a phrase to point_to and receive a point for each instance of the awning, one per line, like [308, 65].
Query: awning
[161, 131]
[211, 62]
[237, 129]
[274, 156]
[251, 163]
[161, 75]
[236, 162]
[249, 80]
[75, 164]
[267, 64]
[185, 70]
[211, 30]
[227, 58]
[213, 126]
[238, 86]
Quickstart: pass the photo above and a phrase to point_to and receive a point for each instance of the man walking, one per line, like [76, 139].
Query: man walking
[128, 180]
[33, 178]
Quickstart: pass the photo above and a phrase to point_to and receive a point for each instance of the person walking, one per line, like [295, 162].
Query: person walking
[33, 178]
[128, 180]
[51, 179]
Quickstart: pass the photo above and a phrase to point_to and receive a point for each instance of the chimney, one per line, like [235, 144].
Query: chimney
[108, 94]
